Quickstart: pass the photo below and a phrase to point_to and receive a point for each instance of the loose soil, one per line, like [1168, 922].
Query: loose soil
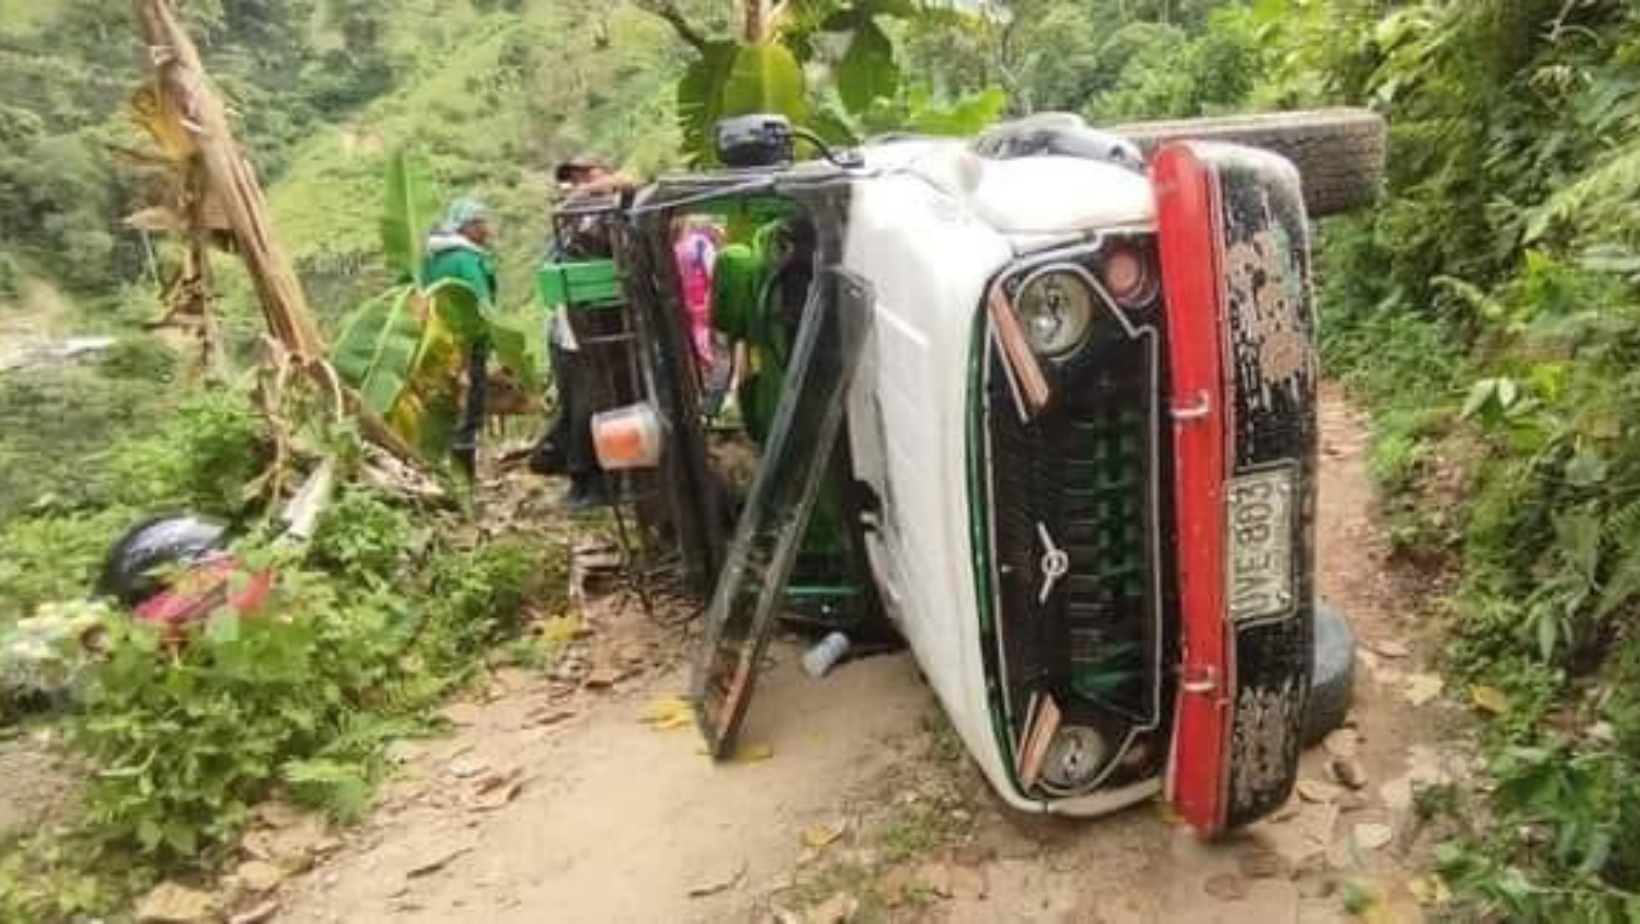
[554, 801]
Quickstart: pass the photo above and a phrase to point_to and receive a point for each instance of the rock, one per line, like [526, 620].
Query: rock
[1345, 742]
[171, 903]
[1319, 792]
[1373, 836]
[839, 909]
[258, 876]
[258, 914]
[1348, 772]
[1422, 689]
[1353, 802]
[280, 815]
[292, 849]
[1226, 887]
[462, 713]
[466, 768]
[1391, 648]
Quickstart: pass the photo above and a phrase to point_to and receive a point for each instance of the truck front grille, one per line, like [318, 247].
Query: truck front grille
[1087, 476]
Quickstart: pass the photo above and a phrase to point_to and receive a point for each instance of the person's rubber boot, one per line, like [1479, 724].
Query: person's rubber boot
[586, 493]
[597, 492]
[575, 499]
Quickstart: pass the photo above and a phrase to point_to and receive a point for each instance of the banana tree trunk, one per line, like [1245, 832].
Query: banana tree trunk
[179, 76]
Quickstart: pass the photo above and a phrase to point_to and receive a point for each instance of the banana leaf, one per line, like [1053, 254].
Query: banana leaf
[868, 71]
[460, 309]
[406, 367]
[408, 213]
[404, 352]
[765, 78]
[377, 349]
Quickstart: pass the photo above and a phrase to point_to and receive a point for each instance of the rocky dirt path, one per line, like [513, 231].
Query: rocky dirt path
[854, 801]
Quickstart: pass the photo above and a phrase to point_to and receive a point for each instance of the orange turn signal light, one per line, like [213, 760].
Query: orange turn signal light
[628, 437]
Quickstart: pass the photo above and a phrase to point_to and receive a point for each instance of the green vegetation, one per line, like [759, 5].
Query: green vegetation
[366, 632]
[1489, 315]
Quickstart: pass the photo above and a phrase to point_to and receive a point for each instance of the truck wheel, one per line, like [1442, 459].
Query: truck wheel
[1340, 153]
[1334, 676]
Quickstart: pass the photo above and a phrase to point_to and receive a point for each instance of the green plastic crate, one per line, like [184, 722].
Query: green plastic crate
[590, 284]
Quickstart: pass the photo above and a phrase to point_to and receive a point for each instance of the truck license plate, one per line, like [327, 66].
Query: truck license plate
[1260, 524]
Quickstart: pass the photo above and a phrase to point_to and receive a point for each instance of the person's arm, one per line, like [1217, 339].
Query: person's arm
[611, 184]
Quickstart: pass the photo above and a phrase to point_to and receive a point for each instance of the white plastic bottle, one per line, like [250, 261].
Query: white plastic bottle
[820, 659]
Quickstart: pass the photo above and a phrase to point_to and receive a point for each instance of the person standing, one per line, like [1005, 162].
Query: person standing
[694, 251]
[459, 249]
[568, 448]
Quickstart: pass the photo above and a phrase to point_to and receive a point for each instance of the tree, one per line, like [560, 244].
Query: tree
[766, 64]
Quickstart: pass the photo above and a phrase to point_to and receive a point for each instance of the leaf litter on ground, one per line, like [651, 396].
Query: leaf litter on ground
[668, 713]
[822, 835]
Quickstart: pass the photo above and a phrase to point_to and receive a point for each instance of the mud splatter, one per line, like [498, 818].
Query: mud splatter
[1268, 292]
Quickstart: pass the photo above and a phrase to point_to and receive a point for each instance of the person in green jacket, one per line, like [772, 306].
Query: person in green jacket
[459, 249]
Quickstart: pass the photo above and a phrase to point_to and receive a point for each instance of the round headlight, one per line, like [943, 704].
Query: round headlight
[1056, 310]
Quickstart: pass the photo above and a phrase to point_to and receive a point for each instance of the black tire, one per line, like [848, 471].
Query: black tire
[1339, 153]
[1333, 680]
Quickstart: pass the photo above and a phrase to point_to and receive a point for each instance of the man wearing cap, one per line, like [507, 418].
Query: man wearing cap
[458, 249]
[568, 448]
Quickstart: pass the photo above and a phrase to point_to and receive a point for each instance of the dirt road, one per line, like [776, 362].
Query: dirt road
[855, 802]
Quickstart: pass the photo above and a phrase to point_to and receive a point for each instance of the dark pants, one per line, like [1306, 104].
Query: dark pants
[568, 447]
[471, 424]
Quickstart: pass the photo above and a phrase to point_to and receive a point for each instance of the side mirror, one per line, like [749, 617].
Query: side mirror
[761, 140]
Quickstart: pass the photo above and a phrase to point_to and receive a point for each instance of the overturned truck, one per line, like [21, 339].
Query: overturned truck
[1041, 401]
